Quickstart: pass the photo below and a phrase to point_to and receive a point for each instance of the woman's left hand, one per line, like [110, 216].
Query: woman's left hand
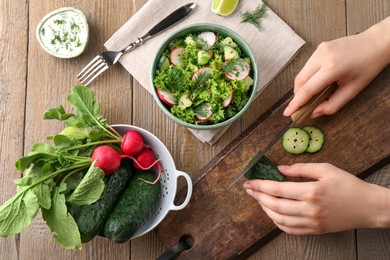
[335, 201]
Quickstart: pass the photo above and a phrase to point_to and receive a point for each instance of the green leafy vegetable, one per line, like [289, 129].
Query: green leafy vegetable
[61, 222]
[58, 176]
[255, 16]
[17, 213]
[90, 188]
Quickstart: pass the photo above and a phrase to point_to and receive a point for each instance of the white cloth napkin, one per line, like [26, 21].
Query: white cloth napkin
[274, 45]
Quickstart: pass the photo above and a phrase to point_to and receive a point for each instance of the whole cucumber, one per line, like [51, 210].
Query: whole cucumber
[133, 208]
[91, 218]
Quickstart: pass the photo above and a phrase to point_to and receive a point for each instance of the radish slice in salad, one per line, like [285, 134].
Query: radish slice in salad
[175, 55]
[203, 113]
[209, 37]
[226, 102]
[240, 70]
[166, 97]
[200, 72]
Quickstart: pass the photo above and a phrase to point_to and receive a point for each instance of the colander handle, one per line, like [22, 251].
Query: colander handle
[189, 191]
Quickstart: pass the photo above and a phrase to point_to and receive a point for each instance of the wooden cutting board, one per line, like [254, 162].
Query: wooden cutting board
[227, 223]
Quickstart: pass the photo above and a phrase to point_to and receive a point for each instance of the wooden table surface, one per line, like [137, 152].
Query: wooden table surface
[32, 81]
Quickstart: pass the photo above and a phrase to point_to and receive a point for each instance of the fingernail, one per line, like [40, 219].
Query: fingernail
[286, 111]
[247, 185]
[249, 191]
[283, 167]
[315, 115]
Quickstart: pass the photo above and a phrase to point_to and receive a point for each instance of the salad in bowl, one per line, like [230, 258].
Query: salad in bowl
[204, 76]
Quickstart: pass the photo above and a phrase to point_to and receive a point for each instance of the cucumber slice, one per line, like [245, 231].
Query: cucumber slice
[295, 140]
[317, 139]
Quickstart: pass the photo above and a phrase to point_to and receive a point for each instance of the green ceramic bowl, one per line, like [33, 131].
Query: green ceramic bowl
[200, 27]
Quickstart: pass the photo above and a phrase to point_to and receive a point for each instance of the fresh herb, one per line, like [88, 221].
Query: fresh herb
[201, 79]
[57, 177]
[232, 65]
[58, 21]
[255, 16]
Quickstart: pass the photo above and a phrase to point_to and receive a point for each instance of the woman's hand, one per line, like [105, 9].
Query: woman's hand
[334, 201]
[351, 61]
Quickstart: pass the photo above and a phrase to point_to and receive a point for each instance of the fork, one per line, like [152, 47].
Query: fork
[106, 59]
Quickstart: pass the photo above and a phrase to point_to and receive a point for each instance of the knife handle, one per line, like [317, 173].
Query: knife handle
[171, 19]
[314, 102]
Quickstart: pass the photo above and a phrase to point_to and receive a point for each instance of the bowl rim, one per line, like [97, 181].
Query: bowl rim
[226, 32]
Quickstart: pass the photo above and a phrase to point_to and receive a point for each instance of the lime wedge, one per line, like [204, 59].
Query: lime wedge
[223, 7]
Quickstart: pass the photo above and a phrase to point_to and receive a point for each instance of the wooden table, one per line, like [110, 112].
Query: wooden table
[31, 81]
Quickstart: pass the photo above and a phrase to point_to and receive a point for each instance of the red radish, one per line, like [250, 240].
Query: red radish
[241, 70]
[209, 37]
[108, 159]
[204, 70]
[145, 160]
[226, 102]
[166, 97]
[204, 113]
[175, 56]
[132, 143]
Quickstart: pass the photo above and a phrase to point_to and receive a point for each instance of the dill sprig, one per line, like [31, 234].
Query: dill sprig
[202, 44]
[255, 16]
[201, 79]
[231, 66]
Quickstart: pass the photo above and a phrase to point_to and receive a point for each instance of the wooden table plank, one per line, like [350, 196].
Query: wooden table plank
[13, 52]
[371, 243]
[49, 87]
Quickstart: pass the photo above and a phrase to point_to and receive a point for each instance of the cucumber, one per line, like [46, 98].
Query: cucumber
[133, 208]
[165, 63]
[230, 53]
[91, 218]
[295, 140]
[317, 139]
[264, 169]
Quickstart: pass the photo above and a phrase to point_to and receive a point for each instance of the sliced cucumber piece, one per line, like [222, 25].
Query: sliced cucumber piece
[164, 63]
[295, 140]
[317, 139]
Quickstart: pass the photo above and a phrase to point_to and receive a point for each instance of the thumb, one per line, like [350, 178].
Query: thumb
[306, 170]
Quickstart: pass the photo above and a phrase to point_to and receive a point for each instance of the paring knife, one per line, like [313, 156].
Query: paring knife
[295, 118]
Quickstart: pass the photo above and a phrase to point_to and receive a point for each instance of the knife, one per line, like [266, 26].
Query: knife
[172, 19]
[295, 118]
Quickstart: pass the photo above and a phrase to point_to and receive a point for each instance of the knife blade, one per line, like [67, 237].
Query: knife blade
[295, 118]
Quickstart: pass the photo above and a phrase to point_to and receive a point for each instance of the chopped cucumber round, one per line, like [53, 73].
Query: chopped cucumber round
[316, 139]
[295, 140]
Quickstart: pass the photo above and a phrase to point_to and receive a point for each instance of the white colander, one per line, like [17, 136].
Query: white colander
[168, 180]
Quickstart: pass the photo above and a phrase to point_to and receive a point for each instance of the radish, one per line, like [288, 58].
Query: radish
[166, 97]
[132, 143]
[107, 159]
[199, 72]
[240, 71]
[145, 160]
[204, 113]
[226, 102]
[209, 37]
[175, 55]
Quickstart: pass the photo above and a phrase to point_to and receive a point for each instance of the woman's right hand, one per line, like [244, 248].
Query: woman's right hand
[351, 61]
